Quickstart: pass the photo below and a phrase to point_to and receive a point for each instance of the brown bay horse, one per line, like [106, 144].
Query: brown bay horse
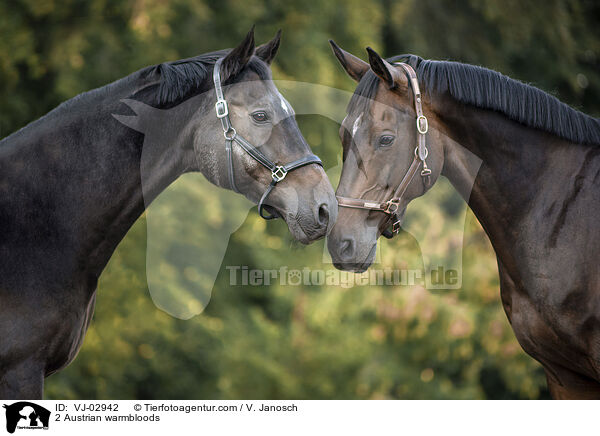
[529, 168]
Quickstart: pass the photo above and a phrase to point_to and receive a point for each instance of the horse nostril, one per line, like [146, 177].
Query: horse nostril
[347, 249]
[323, 215]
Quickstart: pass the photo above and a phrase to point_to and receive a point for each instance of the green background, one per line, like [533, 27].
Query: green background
[313, 342]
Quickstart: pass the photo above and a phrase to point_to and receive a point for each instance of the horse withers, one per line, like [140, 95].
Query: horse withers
[529, 168]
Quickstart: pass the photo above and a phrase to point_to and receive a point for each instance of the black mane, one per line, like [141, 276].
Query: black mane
[489, 89]
[181, 78]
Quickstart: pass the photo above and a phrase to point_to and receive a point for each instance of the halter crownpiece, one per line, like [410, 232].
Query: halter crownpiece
[278, 172]
[391, 206]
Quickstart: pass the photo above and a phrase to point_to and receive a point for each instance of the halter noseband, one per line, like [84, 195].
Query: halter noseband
[278, 172]
[390, 207]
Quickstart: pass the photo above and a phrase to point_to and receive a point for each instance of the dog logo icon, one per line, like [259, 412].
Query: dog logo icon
[26, 415]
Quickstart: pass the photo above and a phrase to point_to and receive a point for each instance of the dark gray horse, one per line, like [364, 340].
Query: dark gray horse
[71, 187]
[533, 164]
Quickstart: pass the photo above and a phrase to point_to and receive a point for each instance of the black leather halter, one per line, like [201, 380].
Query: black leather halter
[390, 207]
[278, 172]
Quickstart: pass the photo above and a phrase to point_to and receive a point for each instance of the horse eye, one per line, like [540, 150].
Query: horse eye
[260, 117]
[386, 140]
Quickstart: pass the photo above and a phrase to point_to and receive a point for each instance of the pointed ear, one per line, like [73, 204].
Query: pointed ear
[386, 71]
[355, 67]
[268, 51]
[237, 58]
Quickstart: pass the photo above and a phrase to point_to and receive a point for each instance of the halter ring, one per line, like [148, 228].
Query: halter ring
[426, 153]
[232, 132]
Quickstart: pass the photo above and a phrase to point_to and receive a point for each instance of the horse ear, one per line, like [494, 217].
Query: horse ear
[237, 58]
[355, 67]
[386, 71]
[267, 51]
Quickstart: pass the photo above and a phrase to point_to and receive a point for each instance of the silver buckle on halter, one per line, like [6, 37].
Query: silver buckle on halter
[279, 173]
[423, 130]
[391, 206]
[396, 227]
[221, 108]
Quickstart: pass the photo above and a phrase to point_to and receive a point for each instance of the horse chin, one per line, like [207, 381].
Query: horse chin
[296, 230]
[352, 267]
[358, 267]
[294, 225]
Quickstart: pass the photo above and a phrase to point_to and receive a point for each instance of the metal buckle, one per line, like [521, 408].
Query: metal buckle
[221, 108]
[426, 128]
[391, 206]
[279, 173]
[425, 171]
[396, 227]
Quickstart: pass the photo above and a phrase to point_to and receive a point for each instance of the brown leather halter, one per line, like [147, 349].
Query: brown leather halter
[390, 207]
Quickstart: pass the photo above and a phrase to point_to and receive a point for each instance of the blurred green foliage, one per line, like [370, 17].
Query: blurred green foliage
[292, 341]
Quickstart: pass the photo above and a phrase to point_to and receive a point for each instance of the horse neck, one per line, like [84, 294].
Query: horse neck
[508, 173]
[95, 172]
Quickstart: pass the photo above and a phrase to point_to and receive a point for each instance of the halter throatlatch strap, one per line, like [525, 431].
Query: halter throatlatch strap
[391, 206]
[278, 172]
